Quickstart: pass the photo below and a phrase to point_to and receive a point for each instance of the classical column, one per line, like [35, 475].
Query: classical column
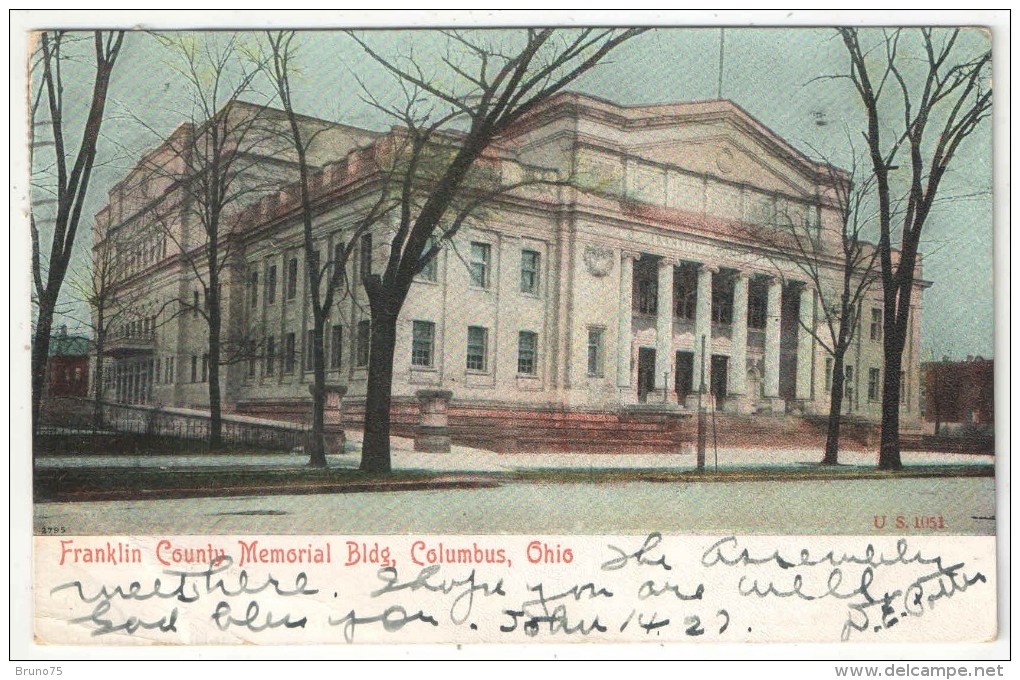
[703, 329]
[664, 326]
[805, 343]
[625, 316]
[773, 315]
[737, 373]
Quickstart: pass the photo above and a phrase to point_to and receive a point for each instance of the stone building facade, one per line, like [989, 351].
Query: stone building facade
[638, 281]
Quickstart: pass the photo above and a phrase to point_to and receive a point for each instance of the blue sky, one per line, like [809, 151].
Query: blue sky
[776, 74]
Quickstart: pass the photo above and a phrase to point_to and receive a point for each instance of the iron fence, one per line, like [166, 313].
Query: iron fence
[76, 416]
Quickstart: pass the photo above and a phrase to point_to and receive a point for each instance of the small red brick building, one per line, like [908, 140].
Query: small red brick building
[68, 365]
[959, 391]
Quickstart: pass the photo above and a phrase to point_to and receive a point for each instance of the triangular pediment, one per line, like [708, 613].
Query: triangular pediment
[730, 149]
[728, 157]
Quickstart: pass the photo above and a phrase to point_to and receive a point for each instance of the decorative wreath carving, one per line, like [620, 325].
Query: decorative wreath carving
[725, 160]
[598, 260]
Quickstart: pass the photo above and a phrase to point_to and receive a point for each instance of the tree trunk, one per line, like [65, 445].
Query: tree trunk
[889, 451]
[375, 453]
[317, 446]
[831, 456]
[215, 409]
[40, 357]
[98, 391]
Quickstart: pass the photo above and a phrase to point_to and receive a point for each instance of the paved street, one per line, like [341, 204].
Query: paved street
[769, 507]
[804, 507]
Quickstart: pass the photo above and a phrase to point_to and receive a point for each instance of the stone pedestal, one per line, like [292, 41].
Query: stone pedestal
[691, 401]
[739, 403]
[333, 436]
[774, 404]
[661, 397]
[433, 433]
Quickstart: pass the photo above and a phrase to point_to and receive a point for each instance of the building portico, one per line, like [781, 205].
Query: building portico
[690, 319]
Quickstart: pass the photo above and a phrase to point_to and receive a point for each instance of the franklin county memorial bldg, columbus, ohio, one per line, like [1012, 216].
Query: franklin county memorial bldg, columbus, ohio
[561, 316]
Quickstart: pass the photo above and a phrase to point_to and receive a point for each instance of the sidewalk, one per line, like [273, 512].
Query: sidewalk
[463, 459]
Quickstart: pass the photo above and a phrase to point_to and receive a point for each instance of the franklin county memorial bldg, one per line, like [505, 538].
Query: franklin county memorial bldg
[586, 304]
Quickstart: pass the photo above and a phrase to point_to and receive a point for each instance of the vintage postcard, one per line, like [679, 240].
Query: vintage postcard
[539, 335]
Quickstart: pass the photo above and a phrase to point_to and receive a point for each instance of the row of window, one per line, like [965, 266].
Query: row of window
[480, 270]
[685, 299]
[131, 259]
[685, 296]
[164, 369]
[138, 328]
[423, 349]
[874, 382]
[284, 354]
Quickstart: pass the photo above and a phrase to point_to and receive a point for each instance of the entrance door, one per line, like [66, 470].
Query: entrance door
[684, 375]
[719, 379]
[645, 372]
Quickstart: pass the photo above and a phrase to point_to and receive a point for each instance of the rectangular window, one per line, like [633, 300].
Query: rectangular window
[194, 304]
[336, 346]
[876, 324]
[722, 300]
[530, 264]
[422, 343]
[481, 254]
[271, 284]
[430, 272]
[156, 373]
[596, 352]
[313, 266]
[366, 256]
[361, 350]
[477, 348]
[292, 268]
[308, 358]
[254, 284]
[873, 388]
[527, 353]
[338, 257]
[270, 355]
[288, 353]
[252, 360]
[757, 306]
[647, 296]
[828, 374]
[205, 368]
[685, 292]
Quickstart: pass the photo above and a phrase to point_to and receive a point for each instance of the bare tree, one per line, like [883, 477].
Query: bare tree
[61, 172]
[940, 94]
[840, 267]
[327, 276]
[487, 81]
[216, 163]
[99, 289]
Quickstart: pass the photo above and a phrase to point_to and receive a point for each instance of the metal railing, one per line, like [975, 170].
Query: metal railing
[172, 423]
